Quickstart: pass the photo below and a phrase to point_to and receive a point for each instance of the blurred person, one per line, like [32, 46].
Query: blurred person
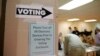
[97, 38]
[87, 33]
[75, 31]
[90, 40]
[60, 41]
[70, 30]
[73, 46]
[82, 36]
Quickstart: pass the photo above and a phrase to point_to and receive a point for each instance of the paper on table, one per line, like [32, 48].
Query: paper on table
[92, 48]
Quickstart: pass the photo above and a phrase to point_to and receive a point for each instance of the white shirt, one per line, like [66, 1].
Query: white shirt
[74, 40]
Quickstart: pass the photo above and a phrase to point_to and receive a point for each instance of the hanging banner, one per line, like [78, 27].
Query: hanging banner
[34, 11]
[41, 40]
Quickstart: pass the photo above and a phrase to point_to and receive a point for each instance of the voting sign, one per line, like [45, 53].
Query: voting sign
[34, 11]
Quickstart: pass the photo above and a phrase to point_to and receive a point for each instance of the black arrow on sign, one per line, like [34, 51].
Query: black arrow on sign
[47, 13]
[29, 11]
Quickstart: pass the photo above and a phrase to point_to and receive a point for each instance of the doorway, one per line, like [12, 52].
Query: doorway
[2, 24]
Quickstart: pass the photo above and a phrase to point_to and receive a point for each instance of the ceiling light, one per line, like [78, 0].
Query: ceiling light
[74, 4]
[92, 20]
[74, 19]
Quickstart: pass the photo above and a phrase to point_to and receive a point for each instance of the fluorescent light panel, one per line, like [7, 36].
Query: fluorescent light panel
[74, 4]
[92, 20]
[74, 19]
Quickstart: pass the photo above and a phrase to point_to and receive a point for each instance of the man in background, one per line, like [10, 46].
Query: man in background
[97, 38]
[73, 46]
[70, 30]
[60, 41]
[75, 31]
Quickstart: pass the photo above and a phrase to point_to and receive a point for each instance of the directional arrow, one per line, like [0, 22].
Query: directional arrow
[46, 13]
[29, 12]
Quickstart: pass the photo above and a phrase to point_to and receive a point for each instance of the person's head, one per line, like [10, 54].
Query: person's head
[70, 28]
[75, 28]
[85, 29]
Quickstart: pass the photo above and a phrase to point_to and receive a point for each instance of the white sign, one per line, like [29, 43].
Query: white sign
[42, 40]
[34, 11]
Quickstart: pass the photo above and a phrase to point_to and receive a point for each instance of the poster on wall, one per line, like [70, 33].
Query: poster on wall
[41, 40]
[34, 11]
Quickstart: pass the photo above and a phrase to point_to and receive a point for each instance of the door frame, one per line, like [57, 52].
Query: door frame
[2, 25]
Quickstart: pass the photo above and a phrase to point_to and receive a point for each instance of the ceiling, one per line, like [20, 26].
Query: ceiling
[40, 2]
[88, 11]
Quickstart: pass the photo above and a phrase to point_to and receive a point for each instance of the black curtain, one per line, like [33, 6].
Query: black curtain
[2, 26]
